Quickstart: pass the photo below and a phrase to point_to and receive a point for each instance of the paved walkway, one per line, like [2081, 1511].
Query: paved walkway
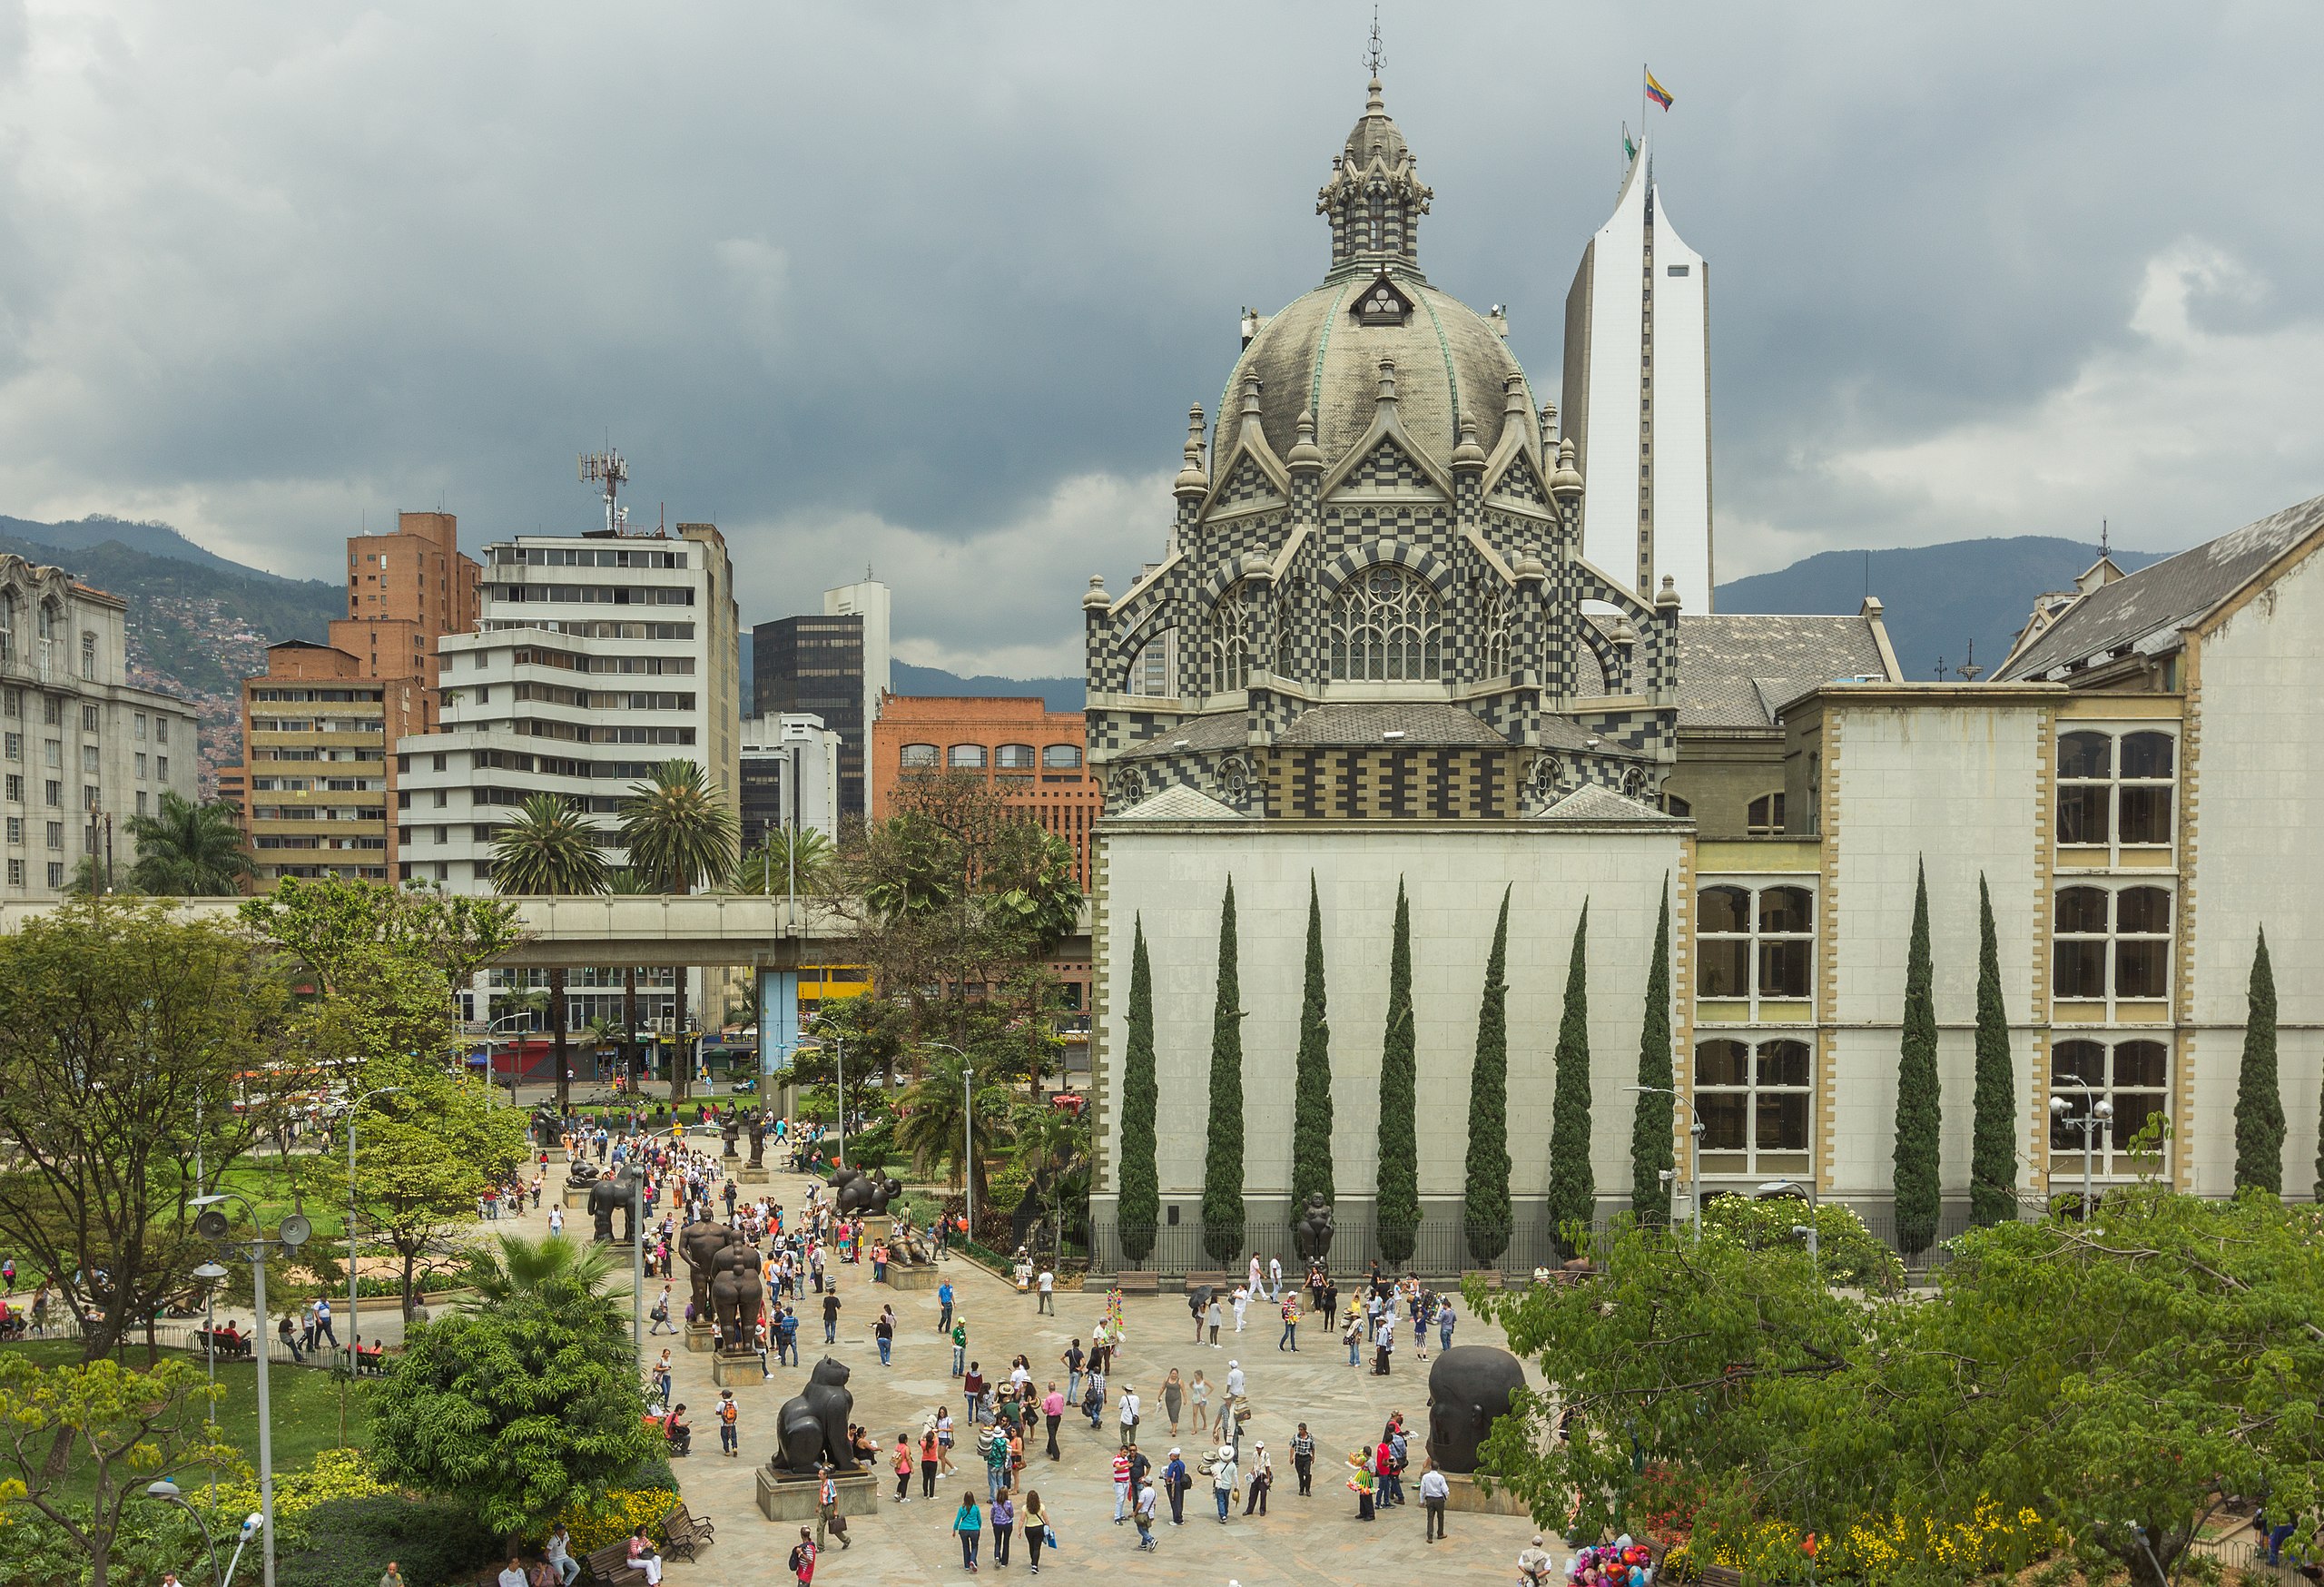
[1310, 1541]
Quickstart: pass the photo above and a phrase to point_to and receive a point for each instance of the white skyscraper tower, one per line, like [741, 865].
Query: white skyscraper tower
[1638, 397]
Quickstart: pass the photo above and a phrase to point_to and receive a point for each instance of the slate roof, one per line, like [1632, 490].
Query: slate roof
[1226, 730]
[2145, 612]
[1593, 802]
[1420, 722]
[1739, 669]
[1180, 802]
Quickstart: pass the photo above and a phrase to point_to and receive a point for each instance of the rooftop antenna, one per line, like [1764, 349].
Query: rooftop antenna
[1374, 56]
[609, 469]
[1940, 669]
[2104, 536]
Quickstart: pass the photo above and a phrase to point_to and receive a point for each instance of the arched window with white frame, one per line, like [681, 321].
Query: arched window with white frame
[1387, 627]
[1228, 649]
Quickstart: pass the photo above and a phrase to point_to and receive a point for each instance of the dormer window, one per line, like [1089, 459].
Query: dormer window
[1382, 303]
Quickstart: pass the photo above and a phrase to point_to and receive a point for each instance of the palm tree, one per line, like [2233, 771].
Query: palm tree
[549, 849]
[579, 1273]
[929, 1122]
[768, 868]
[680, 834]
[189, 850]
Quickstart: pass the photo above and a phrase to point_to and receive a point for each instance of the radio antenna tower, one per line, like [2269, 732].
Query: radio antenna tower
[608, 469]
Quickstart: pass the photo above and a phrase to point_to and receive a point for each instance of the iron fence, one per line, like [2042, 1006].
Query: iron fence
[1438, 1248]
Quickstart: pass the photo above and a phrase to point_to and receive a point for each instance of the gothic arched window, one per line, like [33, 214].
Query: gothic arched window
[1387, 627]
[1497, 609]
[1229, 642]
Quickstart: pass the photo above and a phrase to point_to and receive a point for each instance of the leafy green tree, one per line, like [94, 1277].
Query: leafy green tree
[550, 851]
[1053, 1149]
[133, 1039]
[585, 1276]
[1311, 1106]
[423, 1157]
[681, 833]
[1992, 1149]
[1573, 1183]
[1140, 1209]
[1221, 1172]
[1658, 1106]
[337, 932]
[518, 1409]
[125, 1429]
[190, 851]
[1919, 1107]
[1396, 1176]
[2258, 1092]
[1484, 1210]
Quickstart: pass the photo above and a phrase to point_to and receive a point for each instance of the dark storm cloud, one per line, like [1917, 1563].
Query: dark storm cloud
[931, 287]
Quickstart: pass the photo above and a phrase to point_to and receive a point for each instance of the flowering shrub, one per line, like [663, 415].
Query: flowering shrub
[336, 1473]
[1876, 1549]
[615, 1516]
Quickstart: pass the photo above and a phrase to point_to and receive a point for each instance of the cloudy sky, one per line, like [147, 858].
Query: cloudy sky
[929, 287]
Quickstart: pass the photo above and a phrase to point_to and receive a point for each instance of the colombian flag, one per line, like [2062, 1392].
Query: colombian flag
[1657, 93]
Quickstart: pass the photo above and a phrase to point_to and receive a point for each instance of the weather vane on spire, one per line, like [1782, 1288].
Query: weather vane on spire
[1375, 57]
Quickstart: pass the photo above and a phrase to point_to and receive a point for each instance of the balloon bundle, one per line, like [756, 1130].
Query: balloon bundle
[1618, 1563]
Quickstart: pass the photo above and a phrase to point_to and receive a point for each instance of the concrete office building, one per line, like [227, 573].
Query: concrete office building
[1638, 397]
[317, 780]
[791, 777]
[80, 749]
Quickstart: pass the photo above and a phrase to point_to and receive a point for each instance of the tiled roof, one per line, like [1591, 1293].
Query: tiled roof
[1226, 730]
[1418, 723]
[1737, 670]
[2145, 612]
[1180, 802]
[1592, 802]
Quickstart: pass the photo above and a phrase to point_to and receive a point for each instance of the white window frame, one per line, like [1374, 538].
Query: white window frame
[1757, 938]
[2115, 785]
[2111, 1160]
[2113, 937]
[1761, 1051]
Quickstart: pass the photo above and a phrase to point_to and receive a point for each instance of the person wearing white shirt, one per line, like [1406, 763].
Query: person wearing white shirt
[1274, 1279]
[1383, 1343]
[1222, 1479]
[1254, 1276]
[514, 1576]
[1129, 1415]
[1046, 1285]
[1235, 1380]
[1241, 1301]
[1434, 1491]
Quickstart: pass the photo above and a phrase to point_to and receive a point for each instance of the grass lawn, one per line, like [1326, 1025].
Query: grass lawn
[305, 1402]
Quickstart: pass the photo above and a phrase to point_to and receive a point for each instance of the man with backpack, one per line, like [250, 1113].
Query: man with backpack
[803, 1558]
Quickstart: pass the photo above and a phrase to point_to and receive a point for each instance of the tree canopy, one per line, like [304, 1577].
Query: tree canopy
[188, 851]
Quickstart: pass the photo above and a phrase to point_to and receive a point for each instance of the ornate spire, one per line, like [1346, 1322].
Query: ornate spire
[1191, 479]
[1374, 199]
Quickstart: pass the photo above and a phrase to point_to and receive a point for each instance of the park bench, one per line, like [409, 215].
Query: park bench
[232, 1346]
[1222, 1279]
[1138, 1281]
[682, 1533]
[610, 1566]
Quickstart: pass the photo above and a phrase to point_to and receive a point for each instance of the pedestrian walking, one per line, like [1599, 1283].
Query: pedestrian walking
[1052, 1412]
[1215, 1318]
[1243, 1300]
[803, 1558]
[1290, 1340]
[1129, 1415]
[1274, 1279]
[1004, 1526]
[944, 1308]
[944, 1439]
[1351, 1336]
[1222, 1479]
[1036, 1522]
[1434, 1493]
[1261, 1480]
[1046, 1285]
[1200, 1390]
[1176, 1481]
[660, 1314]
[1073, 1358]
[960, 1346]
[1384, 1345]
[1303, 1461]
[902, 1466]
[827, 1516]
[1174, 1397]
[730, 1438]
[929, 1451]
[885, 1331]
[1444, 1323]
[1145, 1516]
[967, 1522]
[830, 1317]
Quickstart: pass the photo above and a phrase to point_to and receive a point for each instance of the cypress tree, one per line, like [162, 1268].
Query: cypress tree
[1992, 1146]
[1141, 1193]
[1311, 1106]
[1221, 1172]
[1485, 1212]
[1919, 1109]
[1573, 1188]
[2259, 1094]
[1396, 1181]
[1651, 1124]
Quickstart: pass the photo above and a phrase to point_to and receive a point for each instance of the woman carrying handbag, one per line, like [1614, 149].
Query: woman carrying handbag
[1036, 1522]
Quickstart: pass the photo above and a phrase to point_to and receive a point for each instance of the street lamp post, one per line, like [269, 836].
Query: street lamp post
[354, 1314]
[1694, 1154]
[167, 1492]
[214, 1225]
[1774, 1188]
[2097, 1116]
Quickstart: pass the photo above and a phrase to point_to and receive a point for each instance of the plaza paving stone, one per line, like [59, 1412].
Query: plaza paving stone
[1311, 1541]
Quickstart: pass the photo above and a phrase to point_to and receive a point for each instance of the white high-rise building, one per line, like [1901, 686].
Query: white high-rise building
[868, 600]
[595, 658]
[1638, 397]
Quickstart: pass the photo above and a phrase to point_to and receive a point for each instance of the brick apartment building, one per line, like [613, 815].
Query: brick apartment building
[1031, 755]
[318, 777]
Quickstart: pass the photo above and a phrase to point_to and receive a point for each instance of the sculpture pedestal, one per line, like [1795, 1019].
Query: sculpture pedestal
[747, 1175]
[1465, 1494]
[914, 1277]
[701, 1338]
[877, 1227]
[577, 1198]
[790, 1498]
[737, 1371]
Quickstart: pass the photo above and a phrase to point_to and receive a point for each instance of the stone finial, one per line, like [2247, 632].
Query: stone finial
[1387, 380]
[1567, 482]
[1668, 595]
[1191, 479]
[1096, 600]
[1623, 635]
[1549, 424]
[1305, 452]
[1513, 398]
[1250, 403]
[1468, 454]
[1528, 567]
